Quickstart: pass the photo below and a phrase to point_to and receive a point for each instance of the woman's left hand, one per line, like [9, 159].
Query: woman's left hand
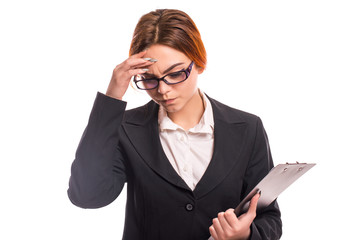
[228, 227]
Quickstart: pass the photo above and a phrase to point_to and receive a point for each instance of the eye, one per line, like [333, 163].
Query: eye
[138, 77]
[147, 76]
[143, 77]
[176, 76]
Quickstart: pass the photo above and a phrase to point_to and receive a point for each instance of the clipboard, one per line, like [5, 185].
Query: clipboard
[273, 184]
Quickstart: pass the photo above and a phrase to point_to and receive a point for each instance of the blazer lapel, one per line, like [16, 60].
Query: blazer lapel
[141, 127]
[229, 137]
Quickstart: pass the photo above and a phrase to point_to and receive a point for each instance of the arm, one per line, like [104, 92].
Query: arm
[98, 172]
[262, 225]
[267, 224]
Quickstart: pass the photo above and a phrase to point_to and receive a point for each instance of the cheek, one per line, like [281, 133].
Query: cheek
[191, 86]
[152, 93]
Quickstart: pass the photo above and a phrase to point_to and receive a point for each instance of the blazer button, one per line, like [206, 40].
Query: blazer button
[189, 207]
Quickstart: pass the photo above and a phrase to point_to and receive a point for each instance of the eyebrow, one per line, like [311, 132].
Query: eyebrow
[166, 71]
[171, 67]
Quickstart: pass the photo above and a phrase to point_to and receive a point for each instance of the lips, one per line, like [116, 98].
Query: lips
[168, 101]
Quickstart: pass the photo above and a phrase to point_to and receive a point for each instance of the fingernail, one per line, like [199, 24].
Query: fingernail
[150, 59]
[145, 69]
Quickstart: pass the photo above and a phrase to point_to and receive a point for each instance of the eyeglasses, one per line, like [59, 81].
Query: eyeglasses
[144, 83]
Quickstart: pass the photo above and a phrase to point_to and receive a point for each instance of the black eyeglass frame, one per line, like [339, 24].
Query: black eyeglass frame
[187, 71]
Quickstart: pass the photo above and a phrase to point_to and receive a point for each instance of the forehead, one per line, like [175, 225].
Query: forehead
[165, 55]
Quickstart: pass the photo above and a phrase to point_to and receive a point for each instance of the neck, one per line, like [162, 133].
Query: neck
[190, 114]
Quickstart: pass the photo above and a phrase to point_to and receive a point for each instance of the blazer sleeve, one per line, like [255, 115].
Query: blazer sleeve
[98, 171]
[267, 225]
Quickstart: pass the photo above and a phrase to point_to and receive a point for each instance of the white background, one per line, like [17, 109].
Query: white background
[296, 64]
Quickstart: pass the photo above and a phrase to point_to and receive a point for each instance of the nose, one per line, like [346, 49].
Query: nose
[163, 88]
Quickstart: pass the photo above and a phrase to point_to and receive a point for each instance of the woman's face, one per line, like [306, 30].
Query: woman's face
[172, 97]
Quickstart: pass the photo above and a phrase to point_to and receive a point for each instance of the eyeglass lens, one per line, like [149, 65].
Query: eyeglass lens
[147, 83]
[172, 78]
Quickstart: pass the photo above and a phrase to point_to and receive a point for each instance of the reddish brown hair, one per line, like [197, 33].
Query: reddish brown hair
[172, 28]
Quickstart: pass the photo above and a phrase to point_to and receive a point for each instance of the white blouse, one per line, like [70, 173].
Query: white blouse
[189, 152]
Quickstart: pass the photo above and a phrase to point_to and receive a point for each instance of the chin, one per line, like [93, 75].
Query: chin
[172, 108]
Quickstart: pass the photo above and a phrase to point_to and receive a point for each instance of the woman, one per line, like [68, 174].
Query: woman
[186, 158]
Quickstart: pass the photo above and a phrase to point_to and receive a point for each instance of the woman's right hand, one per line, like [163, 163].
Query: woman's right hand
[123, 73]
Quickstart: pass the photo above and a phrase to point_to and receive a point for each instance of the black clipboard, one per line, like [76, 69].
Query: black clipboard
[272, 185]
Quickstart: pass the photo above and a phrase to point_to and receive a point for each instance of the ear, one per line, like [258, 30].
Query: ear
[199, 70]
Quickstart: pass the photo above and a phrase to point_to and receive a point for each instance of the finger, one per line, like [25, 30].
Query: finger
[120, 72]
[136, 71]
[127, 71]
[131, 63]
[139, 55]
[142, 55]
[213, 232]
[231, 217]
[217, 227]
[222, 220]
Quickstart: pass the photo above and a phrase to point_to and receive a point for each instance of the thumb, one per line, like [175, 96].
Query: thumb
[253, 204]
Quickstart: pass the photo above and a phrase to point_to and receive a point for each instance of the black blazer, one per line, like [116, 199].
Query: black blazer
[121, 146]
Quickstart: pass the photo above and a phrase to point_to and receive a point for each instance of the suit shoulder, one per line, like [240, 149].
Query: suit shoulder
[141, 113]
[232, 113]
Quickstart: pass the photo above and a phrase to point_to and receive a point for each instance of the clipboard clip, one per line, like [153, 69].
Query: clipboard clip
[294, 163]
[297, 163]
